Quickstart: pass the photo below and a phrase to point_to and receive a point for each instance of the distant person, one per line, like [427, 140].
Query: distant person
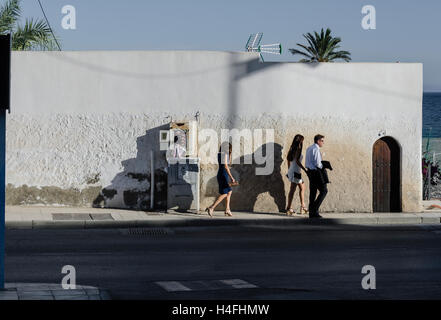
[295, 166]
[314, 165]
[224, 179]
[176, 151]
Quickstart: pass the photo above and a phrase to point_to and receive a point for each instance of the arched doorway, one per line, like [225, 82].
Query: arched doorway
[386, 175]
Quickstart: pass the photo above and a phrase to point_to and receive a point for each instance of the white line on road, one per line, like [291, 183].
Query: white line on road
[172, 286]
[238, 283]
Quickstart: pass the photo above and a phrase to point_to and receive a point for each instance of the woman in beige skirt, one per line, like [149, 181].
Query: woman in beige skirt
[295, 166]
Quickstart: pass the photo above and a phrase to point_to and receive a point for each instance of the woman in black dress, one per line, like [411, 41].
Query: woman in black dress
[224, 177]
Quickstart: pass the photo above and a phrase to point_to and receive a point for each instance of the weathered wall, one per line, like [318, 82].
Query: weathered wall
[83, 123]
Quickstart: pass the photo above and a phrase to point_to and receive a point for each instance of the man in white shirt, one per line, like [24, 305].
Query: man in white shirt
[313, 163]
[175, 152]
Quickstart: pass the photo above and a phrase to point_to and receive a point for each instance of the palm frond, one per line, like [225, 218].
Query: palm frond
[322, 47]
[34, 35]
[9, 14]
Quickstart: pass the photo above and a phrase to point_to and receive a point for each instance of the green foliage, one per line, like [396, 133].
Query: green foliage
[34, 35]
[322, 48]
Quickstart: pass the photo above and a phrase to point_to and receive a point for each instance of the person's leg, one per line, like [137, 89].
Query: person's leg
[292, 189]
[302, 195]
[218, 200]
[312, 194]
[227, 207]
[323, 192]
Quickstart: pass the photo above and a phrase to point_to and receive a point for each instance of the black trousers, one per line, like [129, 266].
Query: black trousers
[314, 204]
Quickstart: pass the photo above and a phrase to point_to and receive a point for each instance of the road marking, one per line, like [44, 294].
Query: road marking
[203, 285]
[172, 286]
[238, 283]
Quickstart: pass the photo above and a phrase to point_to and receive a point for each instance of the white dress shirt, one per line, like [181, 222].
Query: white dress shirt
[175, 152]
[313, 157]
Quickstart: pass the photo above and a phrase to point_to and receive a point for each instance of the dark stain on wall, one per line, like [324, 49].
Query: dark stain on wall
[25, 195]
[139, 176]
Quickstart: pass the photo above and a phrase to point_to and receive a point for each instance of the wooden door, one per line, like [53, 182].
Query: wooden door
[381, 163]
[386, 176]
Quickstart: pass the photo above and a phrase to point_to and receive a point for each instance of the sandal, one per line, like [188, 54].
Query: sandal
[210, 212]
[290, 212]
[228, 213]
[303, 210]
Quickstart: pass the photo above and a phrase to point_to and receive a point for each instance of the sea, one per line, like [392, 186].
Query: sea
[432, 114]
[432, 123]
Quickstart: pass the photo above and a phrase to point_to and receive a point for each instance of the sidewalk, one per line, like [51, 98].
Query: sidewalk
[39, 217]
[48, 291]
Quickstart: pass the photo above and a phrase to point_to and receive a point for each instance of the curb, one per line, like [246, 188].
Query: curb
[96, 224]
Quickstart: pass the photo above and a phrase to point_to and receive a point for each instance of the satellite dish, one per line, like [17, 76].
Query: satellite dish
[253, 45]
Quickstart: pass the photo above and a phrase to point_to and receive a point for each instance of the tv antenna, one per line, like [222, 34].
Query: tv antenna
[253, 45]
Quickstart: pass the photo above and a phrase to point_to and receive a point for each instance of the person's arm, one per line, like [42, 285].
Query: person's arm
[317, 158]
[298, 161]
[227, 168]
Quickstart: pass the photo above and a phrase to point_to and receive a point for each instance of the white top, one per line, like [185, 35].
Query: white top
[179, 151]
[176, 152]
[294, 167]
[313, 157]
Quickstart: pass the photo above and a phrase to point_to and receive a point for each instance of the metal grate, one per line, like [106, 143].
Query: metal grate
[147, 231]
[81, 216]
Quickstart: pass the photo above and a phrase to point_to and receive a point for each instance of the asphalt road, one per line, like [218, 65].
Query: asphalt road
[259, 262]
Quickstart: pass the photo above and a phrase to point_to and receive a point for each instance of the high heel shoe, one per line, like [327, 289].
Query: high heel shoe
[290, 212]
[228, 213]
[210, 212]
[303, 210]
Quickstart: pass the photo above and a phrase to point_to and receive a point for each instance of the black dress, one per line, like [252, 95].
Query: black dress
[222, 176]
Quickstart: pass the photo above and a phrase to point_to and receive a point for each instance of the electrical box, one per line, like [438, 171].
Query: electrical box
[183, 185]
[183, 165]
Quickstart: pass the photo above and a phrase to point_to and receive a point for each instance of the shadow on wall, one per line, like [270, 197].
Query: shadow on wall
[131, 187]
[179, 191]
[241, 70]
[252, 186]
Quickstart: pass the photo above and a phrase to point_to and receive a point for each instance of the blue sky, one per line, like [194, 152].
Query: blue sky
[407, 30]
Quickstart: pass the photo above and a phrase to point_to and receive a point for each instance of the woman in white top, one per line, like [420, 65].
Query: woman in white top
[295, 158]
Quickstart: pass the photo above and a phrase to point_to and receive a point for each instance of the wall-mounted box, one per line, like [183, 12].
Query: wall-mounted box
[183, 185]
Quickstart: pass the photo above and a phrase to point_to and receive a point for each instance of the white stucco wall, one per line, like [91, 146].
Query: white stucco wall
[86, 120]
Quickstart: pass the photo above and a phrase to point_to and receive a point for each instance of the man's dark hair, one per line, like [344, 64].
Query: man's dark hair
[318, 137]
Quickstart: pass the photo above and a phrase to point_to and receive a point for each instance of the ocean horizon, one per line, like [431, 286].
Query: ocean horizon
[432, 114]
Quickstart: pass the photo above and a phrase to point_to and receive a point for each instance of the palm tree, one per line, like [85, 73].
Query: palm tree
[322, 48]
[34, 35]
